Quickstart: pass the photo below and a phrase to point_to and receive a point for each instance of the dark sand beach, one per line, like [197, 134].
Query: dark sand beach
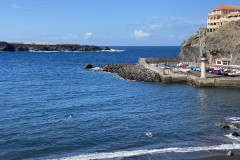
[221, 157]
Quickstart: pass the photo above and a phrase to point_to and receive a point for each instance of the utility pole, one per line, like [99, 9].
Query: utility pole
[203, 52]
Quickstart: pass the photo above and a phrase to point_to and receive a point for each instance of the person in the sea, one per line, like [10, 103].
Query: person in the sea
[149, 134]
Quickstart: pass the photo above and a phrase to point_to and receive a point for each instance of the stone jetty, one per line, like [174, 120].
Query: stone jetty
[135, 72]
[147, 71]
[23, 46]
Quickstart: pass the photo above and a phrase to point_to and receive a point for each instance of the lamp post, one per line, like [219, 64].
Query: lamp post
[203, 53]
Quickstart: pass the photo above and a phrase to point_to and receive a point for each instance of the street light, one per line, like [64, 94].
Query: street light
[203, 52]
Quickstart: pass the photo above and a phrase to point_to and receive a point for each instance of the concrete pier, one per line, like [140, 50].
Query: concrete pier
[193, 78]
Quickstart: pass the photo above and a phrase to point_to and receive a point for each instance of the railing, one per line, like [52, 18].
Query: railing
[216, 12]
[233, 12]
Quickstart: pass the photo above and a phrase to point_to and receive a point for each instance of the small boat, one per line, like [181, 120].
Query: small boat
[233, 74]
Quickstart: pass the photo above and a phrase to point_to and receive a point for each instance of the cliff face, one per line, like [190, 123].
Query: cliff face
[11, 47]
[223, 43]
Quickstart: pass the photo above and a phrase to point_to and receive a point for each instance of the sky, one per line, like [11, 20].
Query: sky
[105, 22]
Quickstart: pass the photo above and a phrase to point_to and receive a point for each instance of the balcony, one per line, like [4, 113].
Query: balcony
[218, 20]
[212, 27]
[233, 12]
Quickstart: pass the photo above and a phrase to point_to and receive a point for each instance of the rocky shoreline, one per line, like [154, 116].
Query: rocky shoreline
[133, 71]
[19, 47]
[149, 73]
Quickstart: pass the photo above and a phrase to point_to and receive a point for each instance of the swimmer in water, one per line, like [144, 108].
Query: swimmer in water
[149, 134]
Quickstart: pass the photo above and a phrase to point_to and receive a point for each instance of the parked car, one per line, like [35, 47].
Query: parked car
[217, 72]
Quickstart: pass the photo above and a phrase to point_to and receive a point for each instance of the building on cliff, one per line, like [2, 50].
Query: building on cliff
[221, 15]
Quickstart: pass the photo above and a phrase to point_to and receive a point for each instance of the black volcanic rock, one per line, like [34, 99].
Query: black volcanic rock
[224, 126]
[11, 47]
[132, 72]
[235, 134]
[88, 66]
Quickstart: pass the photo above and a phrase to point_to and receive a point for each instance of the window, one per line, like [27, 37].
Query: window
[219, 62]
[225, 63]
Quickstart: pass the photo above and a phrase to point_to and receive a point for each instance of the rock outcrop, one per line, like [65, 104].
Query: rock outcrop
[132, 72]
[88, 66]
[224, 126]
[223, 43]
[235, 134]
[235, 126]
[18, 47]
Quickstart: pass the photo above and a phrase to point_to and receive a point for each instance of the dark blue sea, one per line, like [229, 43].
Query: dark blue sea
[52, 108]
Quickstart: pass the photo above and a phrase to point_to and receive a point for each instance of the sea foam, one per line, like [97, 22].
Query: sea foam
[114, 50]
[230, 136]
[124, 154]
[233, 119]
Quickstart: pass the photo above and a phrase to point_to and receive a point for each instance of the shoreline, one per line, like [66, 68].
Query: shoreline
[220, 157]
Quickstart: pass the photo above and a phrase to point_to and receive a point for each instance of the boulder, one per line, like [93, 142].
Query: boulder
[224, 126]
[235, 126]
[88, 66]
[235, 134]
[230, 153]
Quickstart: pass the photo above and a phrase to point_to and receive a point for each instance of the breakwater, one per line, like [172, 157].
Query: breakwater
[147, 71]
[22, 46]
[133, 71]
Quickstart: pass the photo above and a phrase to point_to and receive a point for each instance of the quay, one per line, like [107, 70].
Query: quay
[192, 78]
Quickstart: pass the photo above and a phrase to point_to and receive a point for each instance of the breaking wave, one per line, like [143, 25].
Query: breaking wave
[233, 119]
[230, 136]
[114, 50]
[124, 154]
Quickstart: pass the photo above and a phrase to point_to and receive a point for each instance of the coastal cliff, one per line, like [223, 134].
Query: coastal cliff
[223, 43]
[18, 47]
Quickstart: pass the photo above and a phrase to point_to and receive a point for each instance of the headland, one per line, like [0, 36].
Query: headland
[217, 45]
[31, 46]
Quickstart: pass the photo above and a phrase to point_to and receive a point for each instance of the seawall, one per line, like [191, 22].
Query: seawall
[147, 71]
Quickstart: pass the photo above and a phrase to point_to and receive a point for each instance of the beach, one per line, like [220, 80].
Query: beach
[221, 157]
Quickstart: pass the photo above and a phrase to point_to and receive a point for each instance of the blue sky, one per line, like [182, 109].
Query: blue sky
[105, 22]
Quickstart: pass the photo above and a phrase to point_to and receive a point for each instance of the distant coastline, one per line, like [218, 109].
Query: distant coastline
[31, 46]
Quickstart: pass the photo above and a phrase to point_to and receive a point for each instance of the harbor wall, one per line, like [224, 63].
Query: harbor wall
[166, 61]
[168, 77]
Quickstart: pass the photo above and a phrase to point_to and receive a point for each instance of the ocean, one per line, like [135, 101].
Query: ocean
[52, 108]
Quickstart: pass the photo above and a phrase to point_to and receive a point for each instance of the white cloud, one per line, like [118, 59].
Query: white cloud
[20, 7]
[171, 23]
[87, 35]
[140, 34]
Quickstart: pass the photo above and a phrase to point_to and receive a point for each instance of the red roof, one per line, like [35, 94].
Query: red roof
[226, 7]
[216, 65]
[223, 59]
